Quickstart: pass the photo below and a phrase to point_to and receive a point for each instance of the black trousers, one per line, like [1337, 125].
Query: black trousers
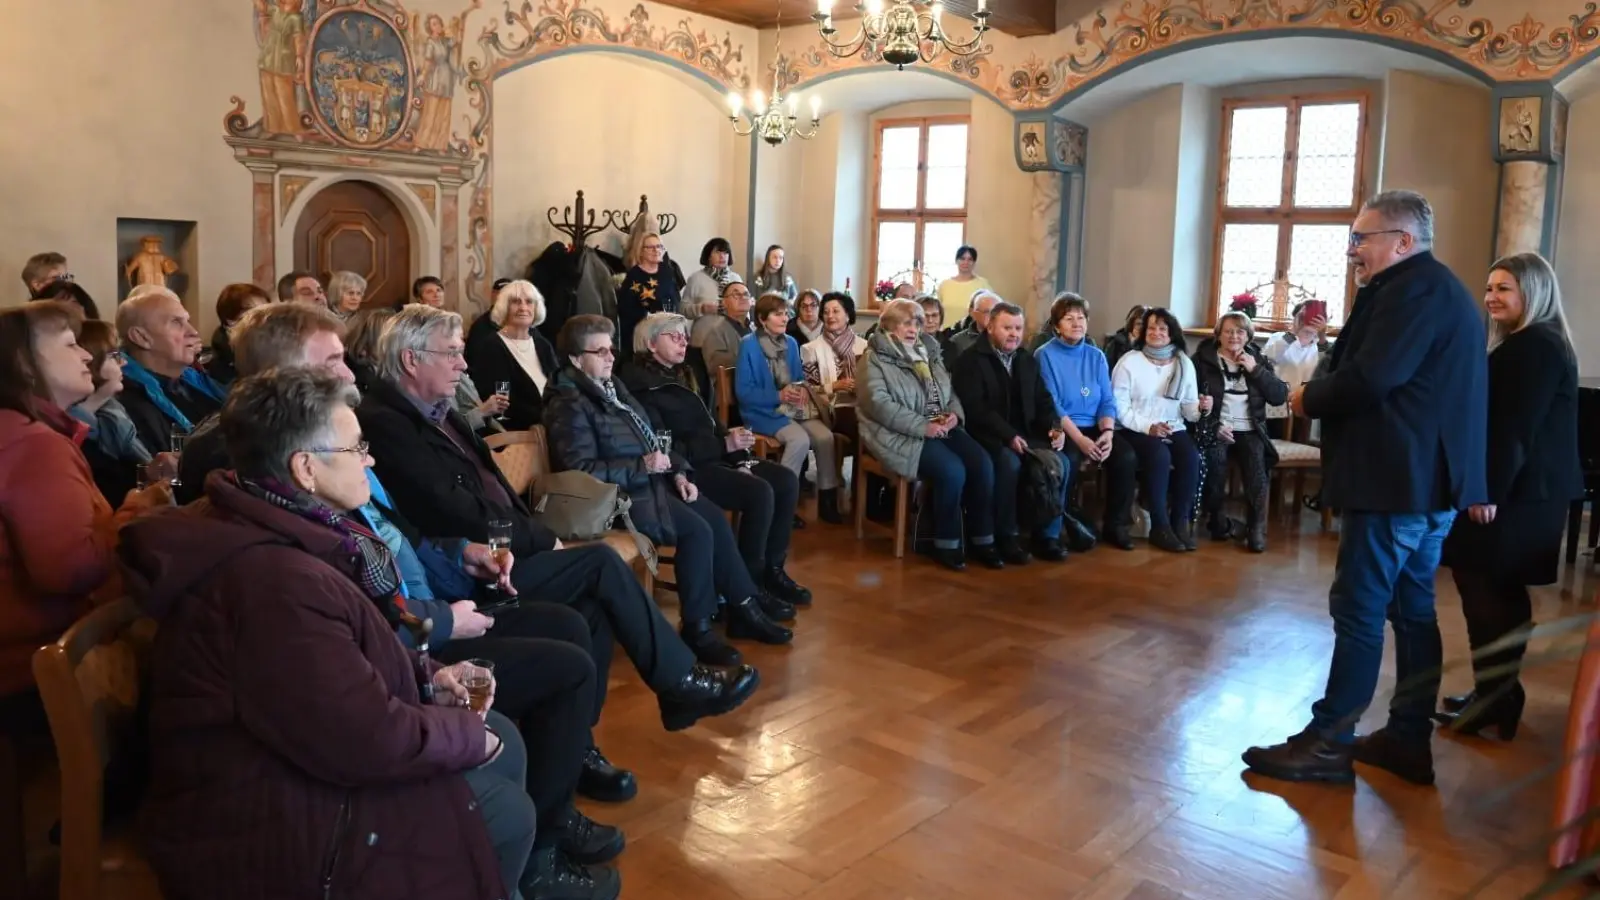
[1494, 608]
[765, 500]
[594, 580]
[1249, 451]
[704, 559]
[508, 811]
[1120, 471]
[544, 682]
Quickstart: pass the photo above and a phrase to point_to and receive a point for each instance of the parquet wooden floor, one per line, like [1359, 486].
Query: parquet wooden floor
[1067, 731]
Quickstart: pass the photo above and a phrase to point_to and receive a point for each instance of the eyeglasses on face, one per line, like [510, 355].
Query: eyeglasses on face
[360, 449]
[117, 356]
[677, 337]
[603, 352]
[453, 354]
[1357, 238]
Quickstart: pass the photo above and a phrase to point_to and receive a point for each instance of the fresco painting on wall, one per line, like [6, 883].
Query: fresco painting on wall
[438, 49]
[281, 27]
[1030, 137]
[360, 78]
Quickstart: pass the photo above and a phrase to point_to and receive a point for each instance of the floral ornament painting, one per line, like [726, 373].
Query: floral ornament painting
[1245, 303]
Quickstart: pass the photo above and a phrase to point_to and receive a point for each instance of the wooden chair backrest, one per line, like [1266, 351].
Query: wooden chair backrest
[91, 681]
[522, 456]
[724, 394]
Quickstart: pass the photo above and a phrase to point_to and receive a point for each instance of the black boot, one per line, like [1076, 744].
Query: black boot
[1117, 536]
[950, 558]
[987, 555]
[1049, 550]
[776, 608]
[555, 877]
[707, 646]
[1219, 527]
[828, 506]
[587, 842]
[602, 781]
[1473, 714]
[1185, 533]
[706, 692]
[798, 524]
[1164, 538]
[1304, 757]
[781, 585]
[1411, 760]
[1257, 541]
[746, 621]
[1012, 551]
[1076, 536]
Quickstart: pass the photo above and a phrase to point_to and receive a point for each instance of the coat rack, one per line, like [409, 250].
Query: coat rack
[580, 226]
[623, 221]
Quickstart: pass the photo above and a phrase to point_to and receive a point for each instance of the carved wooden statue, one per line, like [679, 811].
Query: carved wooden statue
[150, 265]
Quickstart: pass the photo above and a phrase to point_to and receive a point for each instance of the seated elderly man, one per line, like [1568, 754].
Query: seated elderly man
[718, 336]
[162, 390]
[277, 666]
[1011, 413]
[972, 331]
[296, 335]
[445, 481]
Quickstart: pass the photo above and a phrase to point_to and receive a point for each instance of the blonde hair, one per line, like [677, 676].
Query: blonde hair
[897, 312]
[653, 327]
[1238, 318]
[520, 289]
[1541, 296]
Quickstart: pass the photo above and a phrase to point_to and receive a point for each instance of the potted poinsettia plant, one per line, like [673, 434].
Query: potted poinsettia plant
[1244, 302]
[884, 290]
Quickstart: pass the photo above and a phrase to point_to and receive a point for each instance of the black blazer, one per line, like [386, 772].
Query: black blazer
[986, 390]
[1533, 418]
[1402, 406]
[489, 361]
[432, 482]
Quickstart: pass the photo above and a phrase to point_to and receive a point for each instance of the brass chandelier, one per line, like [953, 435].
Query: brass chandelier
[770, 119]
[902, 34]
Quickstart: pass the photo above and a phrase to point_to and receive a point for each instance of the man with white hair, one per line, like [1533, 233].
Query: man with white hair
[1404, 411]
[162, 390]
[977, 325]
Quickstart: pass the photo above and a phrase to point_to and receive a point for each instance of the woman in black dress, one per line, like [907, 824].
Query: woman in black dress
[1497, 549]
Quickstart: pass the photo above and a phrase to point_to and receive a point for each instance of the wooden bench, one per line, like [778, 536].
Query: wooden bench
[525, 455]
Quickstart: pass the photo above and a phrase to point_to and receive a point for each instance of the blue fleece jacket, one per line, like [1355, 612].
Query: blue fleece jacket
[1079, 381]
[754, 387]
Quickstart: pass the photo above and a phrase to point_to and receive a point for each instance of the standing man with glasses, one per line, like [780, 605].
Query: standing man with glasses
[1403, 407]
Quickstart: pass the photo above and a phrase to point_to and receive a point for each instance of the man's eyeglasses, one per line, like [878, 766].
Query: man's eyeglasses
[452, 354]
[360, 449]
[603, 352]
[1357, 238]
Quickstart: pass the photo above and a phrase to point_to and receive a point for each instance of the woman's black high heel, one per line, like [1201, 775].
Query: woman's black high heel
[1474, 716]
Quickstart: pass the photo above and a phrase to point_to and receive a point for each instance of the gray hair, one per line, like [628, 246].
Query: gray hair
[517, 290]
[653, 327]
[897, 312]
[272, 415]
[1238, 318]
[1541, 295]
[1407, 210]
[411, 329]
[338, 283]
[977, 297]
[133, 312]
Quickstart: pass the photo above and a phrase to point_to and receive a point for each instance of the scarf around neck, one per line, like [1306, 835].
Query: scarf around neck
[376, 572]
[844, 350]
[1180, 372]
[155, 389]
[608, 390]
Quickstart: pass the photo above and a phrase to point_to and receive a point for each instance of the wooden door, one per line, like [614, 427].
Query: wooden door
[354, 226]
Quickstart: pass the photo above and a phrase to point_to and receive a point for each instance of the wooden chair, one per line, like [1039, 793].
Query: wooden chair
[1298, 455]
[90, 682]
[765, 448]
[867, 464]
[522, 456]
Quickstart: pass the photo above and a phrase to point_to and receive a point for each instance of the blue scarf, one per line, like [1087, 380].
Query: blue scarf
[191, 377]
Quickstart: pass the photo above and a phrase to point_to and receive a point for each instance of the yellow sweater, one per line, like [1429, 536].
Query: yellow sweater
[956, 296]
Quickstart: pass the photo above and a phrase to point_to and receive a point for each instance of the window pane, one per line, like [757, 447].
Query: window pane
[897, 251]
[897, 181]
[1325, 165]
[1256, 143]
[940, 241]
[1317, 263]
[1249, 259]
[947, 166]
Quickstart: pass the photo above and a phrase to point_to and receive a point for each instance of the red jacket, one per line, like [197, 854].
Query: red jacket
[290, 756]
[57, 539]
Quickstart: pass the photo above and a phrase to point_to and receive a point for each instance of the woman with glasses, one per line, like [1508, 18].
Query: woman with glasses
[648, 287]
[112, 448]
[1156, 392]
[596, 426]
[910, 419]
[1496, 549]
[806, 326]
[1242, 383]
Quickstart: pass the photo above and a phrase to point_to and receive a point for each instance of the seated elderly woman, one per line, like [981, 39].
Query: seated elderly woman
[806, 324]
[774, 401]
[517, 358]
[829, 363]
[911, 421]
[112, 448]
[346, 292]
[1155, 390]
[596, 426]
[277, 666]
[1241, 383]
[677, 394]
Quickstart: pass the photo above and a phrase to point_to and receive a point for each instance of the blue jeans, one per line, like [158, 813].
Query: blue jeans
[1385, 570]
[1170, 472]
[959, 474]
[1007, 477]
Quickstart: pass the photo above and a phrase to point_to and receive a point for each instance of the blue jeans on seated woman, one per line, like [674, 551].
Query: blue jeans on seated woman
[1169, 473]
[706, 559]
[960, 475]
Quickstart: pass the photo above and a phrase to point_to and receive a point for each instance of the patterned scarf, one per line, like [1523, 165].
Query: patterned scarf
[844, 351]
[376, 573]
[608, 389]
[917, 355]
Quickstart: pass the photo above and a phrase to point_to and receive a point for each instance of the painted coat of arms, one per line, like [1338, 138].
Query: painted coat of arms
[359, 78]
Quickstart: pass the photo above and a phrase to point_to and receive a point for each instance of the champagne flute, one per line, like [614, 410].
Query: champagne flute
[502, 389]
[499, 541]
[175, 439]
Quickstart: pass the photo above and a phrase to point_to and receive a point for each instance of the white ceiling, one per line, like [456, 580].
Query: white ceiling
[874, 90]
[1243, 62]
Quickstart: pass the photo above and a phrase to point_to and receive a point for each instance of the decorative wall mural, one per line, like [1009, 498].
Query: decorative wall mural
[359, 78]
[1519, 124]
[1030, 145]
[1069, 144]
